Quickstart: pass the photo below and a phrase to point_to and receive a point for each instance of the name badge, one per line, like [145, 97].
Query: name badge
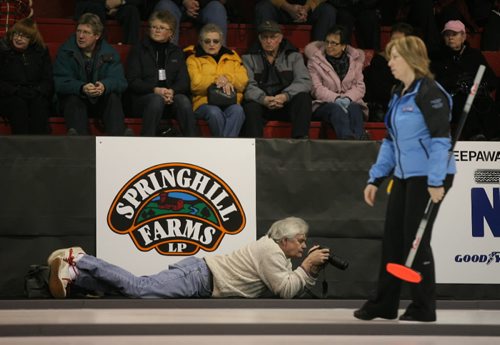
[162, 75]
[407, 109]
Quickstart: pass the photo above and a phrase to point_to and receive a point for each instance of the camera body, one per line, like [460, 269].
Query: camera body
[335, 261]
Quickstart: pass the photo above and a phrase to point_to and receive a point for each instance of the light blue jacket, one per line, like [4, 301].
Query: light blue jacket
[418, 142]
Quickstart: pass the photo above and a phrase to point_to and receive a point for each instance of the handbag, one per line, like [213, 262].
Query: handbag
[218, 97]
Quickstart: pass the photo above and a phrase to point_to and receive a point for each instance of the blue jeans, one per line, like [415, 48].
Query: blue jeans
[213, 12]
[347, 125]
[322, 18]
[225, 122]
[189, 277]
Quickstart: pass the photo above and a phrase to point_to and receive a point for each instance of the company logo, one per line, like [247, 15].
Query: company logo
[483, 210]
[493, 257]
[177, 209]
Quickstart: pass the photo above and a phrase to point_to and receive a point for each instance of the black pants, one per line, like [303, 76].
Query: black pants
[128, 16]
[26, 116]
[298, 110]
[482, 119]
[108, 108]
[152, 107]
[405, 209]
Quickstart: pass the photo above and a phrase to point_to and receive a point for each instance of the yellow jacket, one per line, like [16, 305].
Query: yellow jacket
[204, 70]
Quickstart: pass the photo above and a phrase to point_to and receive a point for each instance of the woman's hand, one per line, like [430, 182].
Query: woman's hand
[370, 192]
[436, 193]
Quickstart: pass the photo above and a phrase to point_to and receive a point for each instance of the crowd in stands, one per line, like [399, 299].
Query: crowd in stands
[272, 80]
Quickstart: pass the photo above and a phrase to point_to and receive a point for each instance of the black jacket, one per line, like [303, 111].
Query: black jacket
[142, 69]
[25, 72]
[455, 71]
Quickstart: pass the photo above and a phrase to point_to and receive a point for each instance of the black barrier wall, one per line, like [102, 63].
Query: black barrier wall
[49, 200]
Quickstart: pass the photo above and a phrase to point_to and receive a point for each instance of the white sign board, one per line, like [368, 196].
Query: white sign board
[162, 199]
[466, 234]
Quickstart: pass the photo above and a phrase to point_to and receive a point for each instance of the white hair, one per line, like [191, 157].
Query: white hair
[287, 228]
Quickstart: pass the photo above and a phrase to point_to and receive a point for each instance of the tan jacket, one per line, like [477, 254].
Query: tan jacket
[256, 269]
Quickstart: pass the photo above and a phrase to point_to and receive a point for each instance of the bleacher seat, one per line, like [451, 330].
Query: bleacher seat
[240, 37]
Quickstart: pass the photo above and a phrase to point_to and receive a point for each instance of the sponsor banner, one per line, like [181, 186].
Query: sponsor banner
[160, 200]
[466, 235]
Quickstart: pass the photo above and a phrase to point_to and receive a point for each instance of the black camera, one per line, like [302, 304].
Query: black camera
[336, 261]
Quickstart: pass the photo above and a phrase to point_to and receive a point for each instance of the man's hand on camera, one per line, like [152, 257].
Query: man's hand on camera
[314, 260]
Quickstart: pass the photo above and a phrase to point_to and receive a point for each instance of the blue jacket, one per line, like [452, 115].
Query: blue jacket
[418, 142]
[69, 69]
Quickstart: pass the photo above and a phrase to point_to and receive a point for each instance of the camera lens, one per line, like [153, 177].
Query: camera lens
[338, 262]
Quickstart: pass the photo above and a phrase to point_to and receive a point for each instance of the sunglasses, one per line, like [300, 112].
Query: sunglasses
[208, 41]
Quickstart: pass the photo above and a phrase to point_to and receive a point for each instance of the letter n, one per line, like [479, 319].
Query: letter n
[482, 210]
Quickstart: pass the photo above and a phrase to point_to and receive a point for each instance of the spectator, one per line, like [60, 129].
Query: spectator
[337, 83]
[260, 268]
[446, 10]
[279, 86]
[319, 13]
[419, 14]
[89, 78]
[378, 78]
[363, 15]
[127, 13]
[490, 38]
[12, 11]
[455, 69]
[158, 78]
[26, 85]
[200, 11]
[210, 64]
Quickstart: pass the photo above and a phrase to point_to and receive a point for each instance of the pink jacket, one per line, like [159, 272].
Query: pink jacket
[326, 84]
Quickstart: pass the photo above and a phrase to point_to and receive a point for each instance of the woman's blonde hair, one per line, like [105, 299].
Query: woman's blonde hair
[413, 50]
[28, 28]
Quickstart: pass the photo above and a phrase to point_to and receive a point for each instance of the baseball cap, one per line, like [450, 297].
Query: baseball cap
[268, 26]
[454, 25]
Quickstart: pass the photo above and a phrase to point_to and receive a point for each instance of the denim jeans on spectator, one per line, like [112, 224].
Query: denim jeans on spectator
[189, 277]
[225, 122]
[214, 12]
[152, 107]
[322, 18]
[347, 125]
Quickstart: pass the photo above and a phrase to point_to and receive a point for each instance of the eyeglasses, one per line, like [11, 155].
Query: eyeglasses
[20, 35]
[84, 33]
[208, 41]
[332, 43]
[159, 28]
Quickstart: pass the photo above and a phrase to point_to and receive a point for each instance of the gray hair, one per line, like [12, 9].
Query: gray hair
[288, 228]
[210, 27]
[93, 21]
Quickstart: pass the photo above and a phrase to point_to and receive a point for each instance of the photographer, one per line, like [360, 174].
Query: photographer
[455, 68]
[261, 268]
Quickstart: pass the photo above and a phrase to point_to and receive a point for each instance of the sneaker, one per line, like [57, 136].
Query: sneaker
[59, 278]
[67, 254]
[128, 132]
[72, 132]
